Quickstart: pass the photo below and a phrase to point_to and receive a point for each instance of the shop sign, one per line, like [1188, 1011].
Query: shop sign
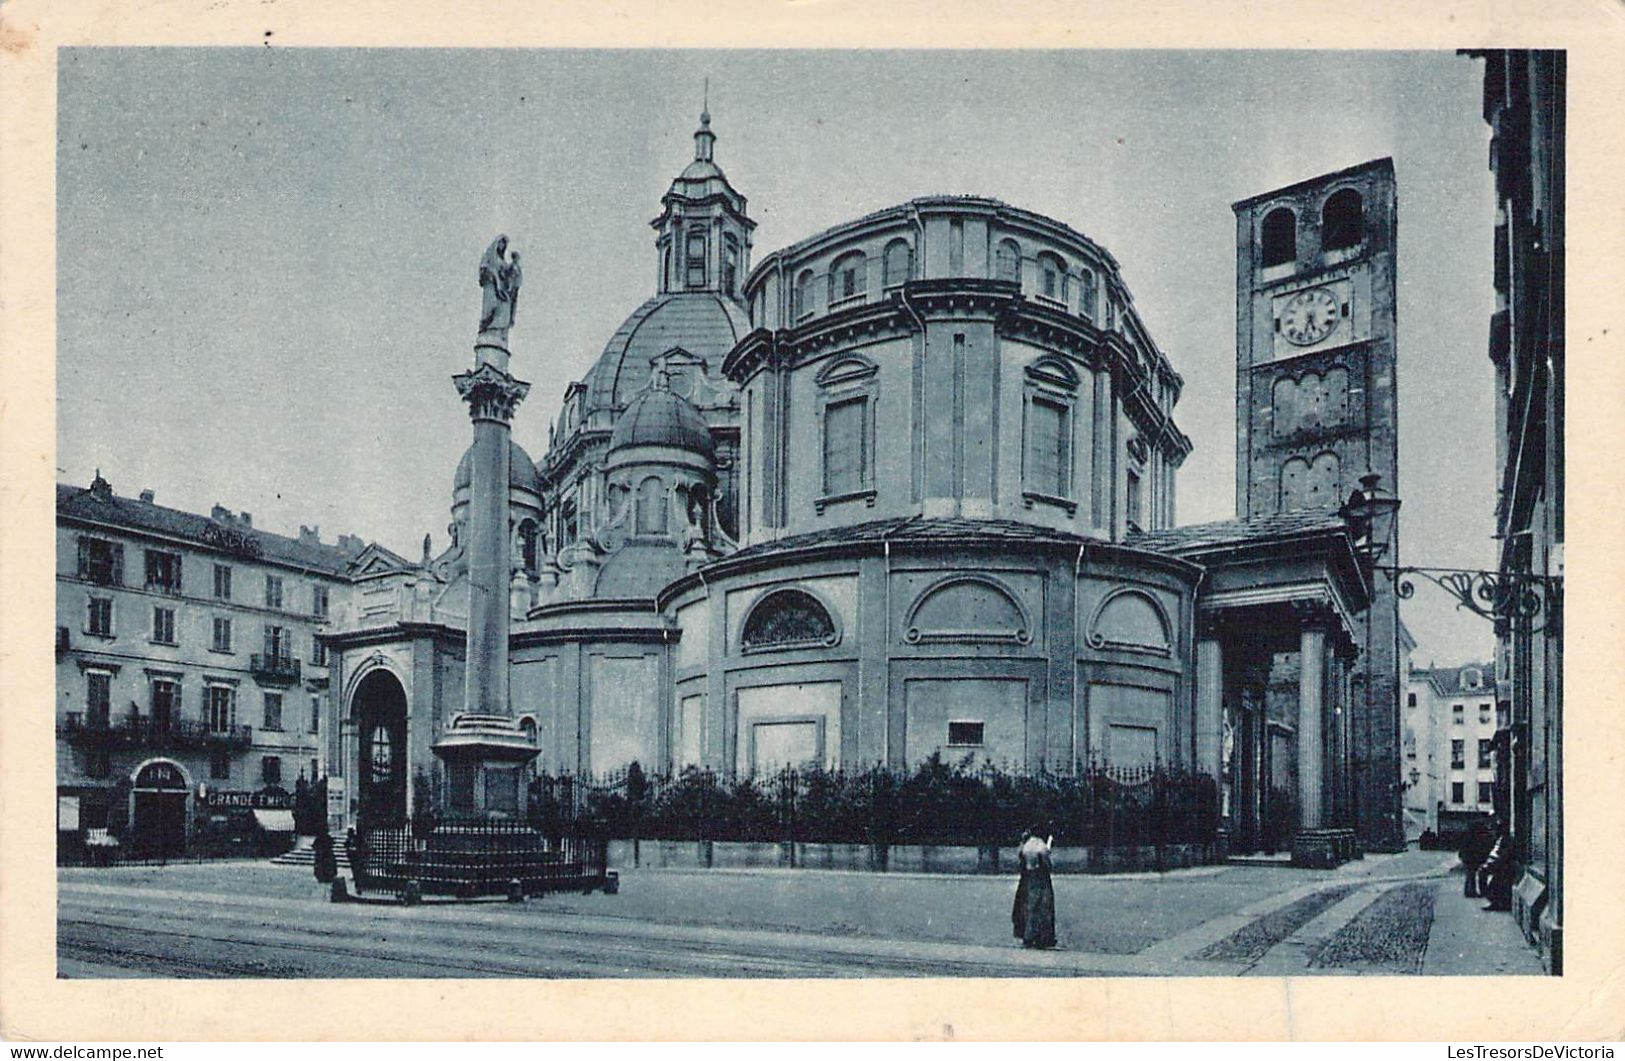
[255, 800]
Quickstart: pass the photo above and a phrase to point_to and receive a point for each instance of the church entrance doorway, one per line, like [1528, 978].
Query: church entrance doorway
[158, 814]
[379, 709]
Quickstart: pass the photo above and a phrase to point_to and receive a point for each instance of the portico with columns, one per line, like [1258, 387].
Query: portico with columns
[1277, 637]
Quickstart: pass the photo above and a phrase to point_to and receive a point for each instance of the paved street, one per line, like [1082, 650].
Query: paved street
[1382, 915]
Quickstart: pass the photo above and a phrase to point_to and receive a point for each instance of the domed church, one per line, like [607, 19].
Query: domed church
[906, 487]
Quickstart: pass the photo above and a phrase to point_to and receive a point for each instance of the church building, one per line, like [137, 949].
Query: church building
[908, 486]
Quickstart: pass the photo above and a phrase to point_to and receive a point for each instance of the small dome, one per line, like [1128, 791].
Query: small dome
[657, 417]
[702, 169]
[521, 470]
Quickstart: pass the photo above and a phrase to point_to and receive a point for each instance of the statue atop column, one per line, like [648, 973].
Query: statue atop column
[500, 277]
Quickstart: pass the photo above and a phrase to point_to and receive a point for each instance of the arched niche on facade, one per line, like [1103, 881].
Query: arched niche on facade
[968, 608]
[787, 619]
[1131, 620]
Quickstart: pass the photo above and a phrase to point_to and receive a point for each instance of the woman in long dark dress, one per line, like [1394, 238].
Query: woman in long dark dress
[1033, 915]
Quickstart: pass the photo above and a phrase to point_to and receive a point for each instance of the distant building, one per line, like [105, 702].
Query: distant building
[1524, 104]
[187, 663]
[1452, 717]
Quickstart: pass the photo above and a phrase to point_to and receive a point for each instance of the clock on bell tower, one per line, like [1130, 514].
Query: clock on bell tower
[1315, 397]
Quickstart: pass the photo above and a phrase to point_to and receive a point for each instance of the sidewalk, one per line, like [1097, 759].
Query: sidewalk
[1470, 941]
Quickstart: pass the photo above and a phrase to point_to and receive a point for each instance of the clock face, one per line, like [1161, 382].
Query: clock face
[1309, 317]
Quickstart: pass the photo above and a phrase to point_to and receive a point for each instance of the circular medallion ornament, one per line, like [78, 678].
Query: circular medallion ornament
[1309, 317]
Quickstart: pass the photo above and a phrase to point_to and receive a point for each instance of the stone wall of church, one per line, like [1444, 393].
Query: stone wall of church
[1024, 656]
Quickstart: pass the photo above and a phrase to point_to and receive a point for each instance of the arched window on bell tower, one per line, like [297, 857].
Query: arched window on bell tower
[1341, 221]
[1279, 237]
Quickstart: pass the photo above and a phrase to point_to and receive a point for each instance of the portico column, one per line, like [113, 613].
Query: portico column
[1209, 701]
[1311, 681]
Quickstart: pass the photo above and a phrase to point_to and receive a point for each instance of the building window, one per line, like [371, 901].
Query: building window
[1086, 300]
[380, 756]
[1410, 699]
[1279, 236]
[163, 571]
[730, 265]
[965, 734]
[163, 625]
[273, 591]
[1048, 433]
[220, 765]
[1458, 755]
[567, 524]
[848, 279]
[787, 618]
[1341, 221]
[898, 266]
[1052, 283]
[99, 619]
[220, 704]
[1047, 450]
[315, 713]
[271, 769]
[651, 506]
[273, 712]
[101, 562]
[1486, 792]
[529, 540]
[222, 582]
[696, 258]
[318, 652]
[98, 698]
[956, 247]
[1458, 792]
[845, 445]
[1133, 500]
[318, 601]
[802, 299]
[277, 644]
[1007, 261]
[222, 635]
[315, 771]
[1458, 714]
[1486, 754]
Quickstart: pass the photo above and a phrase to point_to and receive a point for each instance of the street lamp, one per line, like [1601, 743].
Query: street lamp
[1371, 513]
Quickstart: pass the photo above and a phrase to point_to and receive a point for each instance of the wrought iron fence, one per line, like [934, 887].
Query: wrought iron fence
[937, 804]
[473, 858]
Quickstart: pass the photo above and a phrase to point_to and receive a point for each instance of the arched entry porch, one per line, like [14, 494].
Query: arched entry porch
[378, 712]
[158, 809]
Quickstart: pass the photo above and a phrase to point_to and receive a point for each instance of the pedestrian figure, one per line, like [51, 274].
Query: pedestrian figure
[1495, 875]
[1032, 917]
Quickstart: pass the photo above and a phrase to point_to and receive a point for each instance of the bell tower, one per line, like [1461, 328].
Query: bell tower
[703, 235]
[1316, 410]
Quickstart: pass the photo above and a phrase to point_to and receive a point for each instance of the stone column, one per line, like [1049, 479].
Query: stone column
[492, 396]
[1311, 678]
[1209, 701]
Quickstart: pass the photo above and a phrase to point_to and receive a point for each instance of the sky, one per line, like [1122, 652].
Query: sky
[267, 259]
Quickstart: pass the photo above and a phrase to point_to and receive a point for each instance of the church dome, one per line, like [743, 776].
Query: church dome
[657, 417]
[521, 470]
[704, 323]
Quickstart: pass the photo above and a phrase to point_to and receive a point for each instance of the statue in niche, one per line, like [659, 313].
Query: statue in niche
[500, 278]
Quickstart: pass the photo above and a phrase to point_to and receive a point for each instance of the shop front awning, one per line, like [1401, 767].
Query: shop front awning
[274, 821]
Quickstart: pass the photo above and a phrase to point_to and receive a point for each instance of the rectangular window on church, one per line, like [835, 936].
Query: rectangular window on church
[1048, 457]
[845, 446]
[1133, 501]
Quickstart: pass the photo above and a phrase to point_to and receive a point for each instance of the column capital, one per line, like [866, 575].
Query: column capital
[1315, 615]
[491, 393]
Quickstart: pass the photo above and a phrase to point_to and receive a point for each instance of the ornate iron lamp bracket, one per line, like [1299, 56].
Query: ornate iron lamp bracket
[1497, 596]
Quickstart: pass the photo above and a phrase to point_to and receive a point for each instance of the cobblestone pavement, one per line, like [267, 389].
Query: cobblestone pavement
[256, 920]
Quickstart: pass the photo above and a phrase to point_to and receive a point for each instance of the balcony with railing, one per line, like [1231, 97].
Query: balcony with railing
[175, 734]
[273, 668]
